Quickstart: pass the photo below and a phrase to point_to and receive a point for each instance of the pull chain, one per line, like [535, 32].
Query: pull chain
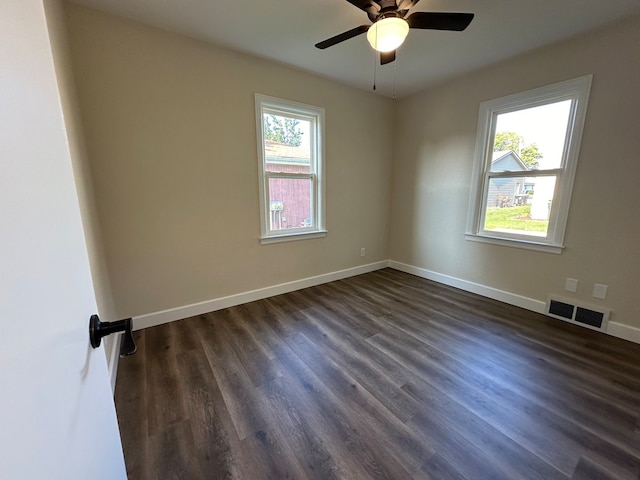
[395, 76]
[375, 61]
[375, 65]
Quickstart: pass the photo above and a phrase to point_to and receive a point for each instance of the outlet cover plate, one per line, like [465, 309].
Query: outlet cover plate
[571, 285]
[600, 291]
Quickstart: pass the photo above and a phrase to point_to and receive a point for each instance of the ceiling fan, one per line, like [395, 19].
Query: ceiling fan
[390, 27]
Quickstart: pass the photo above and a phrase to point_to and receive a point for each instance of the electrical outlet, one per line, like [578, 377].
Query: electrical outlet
[571, 285]
[362, 252]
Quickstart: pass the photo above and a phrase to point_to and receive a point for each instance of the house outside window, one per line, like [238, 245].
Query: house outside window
[291, 169]
[525, 161]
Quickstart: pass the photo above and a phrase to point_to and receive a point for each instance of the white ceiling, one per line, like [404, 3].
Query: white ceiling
[287, 30]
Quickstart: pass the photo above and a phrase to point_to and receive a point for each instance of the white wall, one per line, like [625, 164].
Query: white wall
[435, 134]
[57, 417]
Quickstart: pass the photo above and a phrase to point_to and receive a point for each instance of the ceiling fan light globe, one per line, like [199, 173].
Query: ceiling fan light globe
[387, 34]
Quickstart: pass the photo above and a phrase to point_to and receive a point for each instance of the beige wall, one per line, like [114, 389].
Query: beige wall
[435, 135]
[84, 183]
[170, 140]
[169, 125]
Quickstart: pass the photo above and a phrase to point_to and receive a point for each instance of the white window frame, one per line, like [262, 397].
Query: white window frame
[288, 108]
[577, 90]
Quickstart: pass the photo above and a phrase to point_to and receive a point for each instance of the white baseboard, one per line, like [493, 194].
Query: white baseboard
[615, 329]
[166, 316]
[626, 332]
[490, 292]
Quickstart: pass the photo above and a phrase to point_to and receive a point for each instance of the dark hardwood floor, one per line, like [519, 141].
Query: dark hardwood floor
[383, 375]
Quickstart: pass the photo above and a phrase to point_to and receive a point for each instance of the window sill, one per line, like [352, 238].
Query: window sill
[524, 244]
[290, 237]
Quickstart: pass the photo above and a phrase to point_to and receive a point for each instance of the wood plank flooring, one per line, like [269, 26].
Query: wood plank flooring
[380, 376]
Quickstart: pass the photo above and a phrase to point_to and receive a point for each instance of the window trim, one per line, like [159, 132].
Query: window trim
[303, 112]
[577, 90]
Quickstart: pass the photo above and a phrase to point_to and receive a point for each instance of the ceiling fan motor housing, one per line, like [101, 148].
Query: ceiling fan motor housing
[388, 9]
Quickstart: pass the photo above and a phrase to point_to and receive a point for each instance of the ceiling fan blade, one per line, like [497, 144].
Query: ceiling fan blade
[387, 57]
[329, 42]
[406, 4]
[368, 6]
[440, 20]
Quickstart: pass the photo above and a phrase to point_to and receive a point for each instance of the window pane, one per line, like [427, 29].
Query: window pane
[532, 138]
[291, 169]
[290, 203]
[287, 144]
[526, 158]
[519, 205]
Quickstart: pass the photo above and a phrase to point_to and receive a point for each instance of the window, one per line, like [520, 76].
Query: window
[291, 169]
[525, 161]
